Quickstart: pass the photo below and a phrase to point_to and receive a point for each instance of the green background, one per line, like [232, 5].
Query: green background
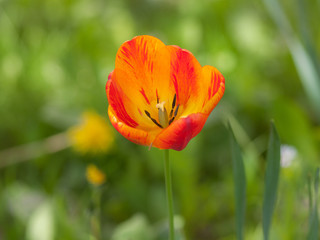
[55, 57]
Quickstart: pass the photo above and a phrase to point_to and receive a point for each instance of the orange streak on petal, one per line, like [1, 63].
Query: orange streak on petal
[180, 132]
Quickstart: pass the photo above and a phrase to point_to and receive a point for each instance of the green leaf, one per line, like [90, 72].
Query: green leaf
[239, 178]
[136, 227]
[271, 180]
[314, 217]
[41, 223]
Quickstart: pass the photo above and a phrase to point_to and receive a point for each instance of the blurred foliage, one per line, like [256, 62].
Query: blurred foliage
[55, 57]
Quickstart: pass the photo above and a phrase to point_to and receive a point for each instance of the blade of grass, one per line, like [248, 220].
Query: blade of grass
[314, 218]
[271, 180]
[316, 183]
[310, 198]
[306, 67]
[239, 179]
[305, 33]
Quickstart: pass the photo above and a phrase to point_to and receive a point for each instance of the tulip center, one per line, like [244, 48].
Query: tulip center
[164, 120]
[162, 114]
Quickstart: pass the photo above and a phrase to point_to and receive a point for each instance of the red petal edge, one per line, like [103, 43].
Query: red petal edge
[180, 132]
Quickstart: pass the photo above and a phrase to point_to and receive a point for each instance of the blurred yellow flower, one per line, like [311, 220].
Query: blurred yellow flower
[92, 135]
[94, 175]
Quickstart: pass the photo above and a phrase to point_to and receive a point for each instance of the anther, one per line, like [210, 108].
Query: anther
[171, 112]
[161, 106]
[174, 101]
[173, 105]
[175, 114]
[164, 120]
[176, 111]
[171, 120]
[152, 119]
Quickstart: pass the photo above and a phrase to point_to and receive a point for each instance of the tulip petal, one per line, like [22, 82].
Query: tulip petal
[124, 109]
[185, 73]
[180, 132]
[141, 68]
[214, 86]
[116, 102]
[211, 87]
[135, 135]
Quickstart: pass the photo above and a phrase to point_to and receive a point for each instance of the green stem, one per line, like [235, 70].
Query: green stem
[95, 217]
[167, 174]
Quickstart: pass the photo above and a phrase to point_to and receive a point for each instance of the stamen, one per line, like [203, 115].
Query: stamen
[171, 120]
[175, 114]
[173, 105]
[161, 106]
[162, 114]
[174, 101]
[171, 112]
[152, 119]
[176, 111]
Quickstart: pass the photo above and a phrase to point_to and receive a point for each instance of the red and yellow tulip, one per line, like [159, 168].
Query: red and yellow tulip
[160, 95]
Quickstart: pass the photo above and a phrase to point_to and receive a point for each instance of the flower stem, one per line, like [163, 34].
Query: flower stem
[167, 174]
[95, 217]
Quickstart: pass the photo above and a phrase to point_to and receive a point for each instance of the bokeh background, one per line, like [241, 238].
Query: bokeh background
[55, 57]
